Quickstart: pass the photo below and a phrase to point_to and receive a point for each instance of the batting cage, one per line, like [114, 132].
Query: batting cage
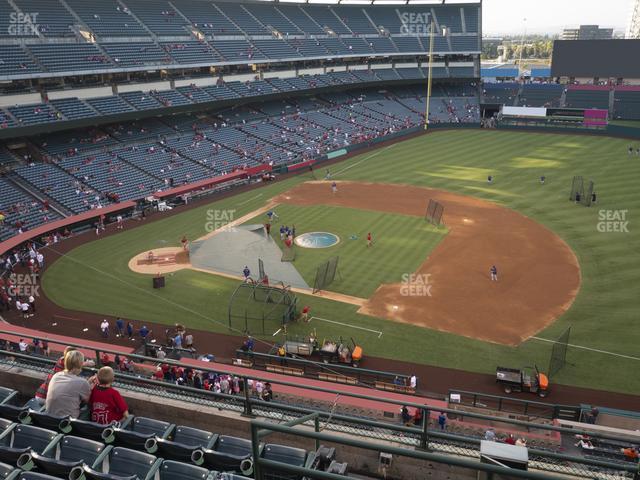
[255, 306]
[577, 189]
[325, 274]
[559, 353]
[587, 198]
[434, 213]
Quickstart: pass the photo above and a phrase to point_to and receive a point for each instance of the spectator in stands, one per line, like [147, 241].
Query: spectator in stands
[41, 393]
[161, 354]
[267, 393]
[592, 416]
[585, 443]
[417, 417]
[68, 390]
[405, 416]
[630, 453]
[510, 440]
[105, 402]
[442, 421]
[490, 435]
[413, 381]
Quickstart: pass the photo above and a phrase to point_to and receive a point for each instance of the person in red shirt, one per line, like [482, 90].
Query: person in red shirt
[305, 313]
[106, 403]
[369, 240]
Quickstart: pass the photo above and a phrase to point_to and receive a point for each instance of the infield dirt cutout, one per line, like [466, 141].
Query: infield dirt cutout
[538, 274]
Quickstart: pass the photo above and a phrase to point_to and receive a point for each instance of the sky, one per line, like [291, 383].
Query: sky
[503, 17]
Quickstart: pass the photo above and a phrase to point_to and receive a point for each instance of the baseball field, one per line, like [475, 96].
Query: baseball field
[560, 264]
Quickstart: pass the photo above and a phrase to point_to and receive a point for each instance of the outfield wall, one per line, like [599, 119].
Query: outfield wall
[616, 131]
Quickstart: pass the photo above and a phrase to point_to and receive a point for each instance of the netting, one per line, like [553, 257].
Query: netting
[254, 306]
[325, 274]
[577, 189]
[435, 210]
[559, 353]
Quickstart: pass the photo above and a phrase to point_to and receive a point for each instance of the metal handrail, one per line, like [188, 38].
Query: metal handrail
[553, 407]
[423, 434]
[378, 399]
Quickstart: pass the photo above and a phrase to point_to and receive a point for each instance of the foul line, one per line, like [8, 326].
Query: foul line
[347, 325]
[360, 161]
[629, 357]
[249, 200]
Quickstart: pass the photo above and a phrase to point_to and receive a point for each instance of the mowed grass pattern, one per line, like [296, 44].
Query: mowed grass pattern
[401, 244]
[603, 317]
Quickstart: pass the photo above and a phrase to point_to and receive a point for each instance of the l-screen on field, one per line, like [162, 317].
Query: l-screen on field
[419, 293]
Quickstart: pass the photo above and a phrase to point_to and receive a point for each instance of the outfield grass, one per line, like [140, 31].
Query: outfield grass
[402, 244]
[603, 317]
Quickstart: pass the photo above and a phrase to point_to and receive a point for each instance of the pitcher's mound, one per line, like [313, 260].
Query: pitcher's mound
[160, 260]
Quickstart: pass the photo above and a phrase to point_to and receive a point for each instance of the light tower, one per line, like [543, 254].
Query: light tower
[634, 23]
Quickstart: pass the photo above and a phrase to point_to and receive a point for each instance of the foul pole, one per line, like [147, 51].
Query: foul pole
[431, 41]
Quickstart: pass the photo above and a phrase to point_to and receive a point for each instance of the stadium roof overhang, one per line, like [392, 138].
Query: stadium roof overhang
[381, 2]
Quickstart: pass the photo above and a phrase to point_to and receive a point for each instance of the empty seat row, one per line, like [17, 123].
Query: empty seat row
[143, 447]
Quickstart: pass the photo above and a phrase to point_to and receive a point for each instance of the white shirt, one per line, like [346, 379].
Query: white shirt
[25, 307]
[23, 346]
[413, 381]
[104, 325]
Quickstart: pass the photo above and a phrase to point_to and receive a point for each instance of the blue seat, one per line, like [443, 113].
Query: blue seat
[285, 454]
[22, 439]
[171, 470]
[119, 464]
[8, 472]
[227, 454]
[184, 442]
[68, 454]
[7, 394]
[138, 433]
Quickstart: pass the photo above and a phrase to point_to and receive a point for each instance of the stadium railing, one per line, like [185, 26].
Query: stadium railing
[515, 405]
[422, 436]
